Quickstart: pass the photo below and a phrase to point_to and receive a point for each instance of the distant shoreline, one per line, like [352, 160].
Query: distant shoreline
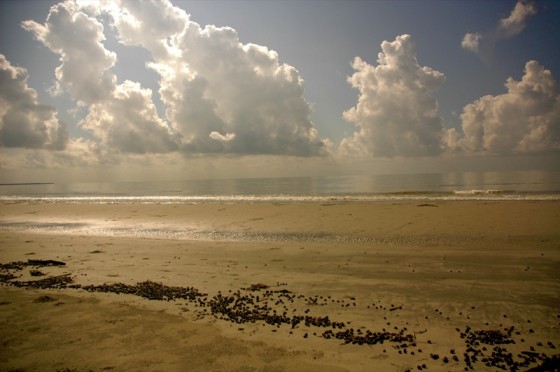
[26, 183]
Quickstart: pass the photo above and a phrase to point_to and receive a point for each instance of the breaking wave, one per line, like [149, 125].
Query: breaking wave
[396, 197]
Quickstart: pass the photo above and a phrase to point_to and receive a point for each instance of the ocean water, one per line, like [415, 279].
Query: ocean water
[473, 186]
[417, 188]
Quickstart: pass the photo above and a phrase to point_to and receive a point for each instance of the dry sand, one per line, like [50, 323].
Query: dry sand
[425, 271]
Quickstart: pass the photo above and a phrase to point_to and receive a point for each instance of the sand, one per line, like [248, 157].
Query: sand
[442, 274]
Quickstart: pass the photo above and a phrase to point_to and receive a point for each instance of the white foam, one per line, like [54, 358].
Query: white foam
[456, 195]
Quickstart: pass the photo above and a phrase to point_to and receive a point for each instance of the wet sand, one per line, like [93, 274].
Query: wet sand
[448, 275]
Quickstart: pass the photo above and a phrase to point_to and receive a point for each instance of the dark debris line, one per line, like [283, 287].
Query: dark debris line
[147, 289]
[485, 346]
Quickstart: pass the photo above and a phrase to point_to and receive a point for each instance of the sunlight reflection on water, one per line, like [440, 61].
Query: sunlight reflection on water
[213, 235]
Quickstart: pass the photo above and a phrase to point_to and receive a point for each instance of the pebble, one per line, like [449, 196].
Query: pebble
[250, 305]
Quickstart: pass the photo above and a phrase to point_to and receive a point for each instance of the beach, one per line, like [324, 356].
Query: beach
[319, 286]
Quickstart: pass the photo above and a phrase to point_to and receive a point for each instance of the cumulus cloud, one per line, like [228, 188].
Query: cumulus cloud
[129, 122]
[121, 116]
[151, 24]
[471, 41]
[526, 119]
[396, 114]
[220, 137]
[24, 122]
[78, 39]
[507, 27]
[220, 95]
[517, 19]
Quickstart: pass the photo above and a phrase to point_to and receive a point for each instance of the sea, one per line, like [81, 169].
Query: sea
[401, 188]
[394, 188]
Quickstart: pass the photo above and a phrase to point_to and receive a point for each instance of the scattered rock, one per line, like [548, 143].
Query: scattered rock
[260, 303]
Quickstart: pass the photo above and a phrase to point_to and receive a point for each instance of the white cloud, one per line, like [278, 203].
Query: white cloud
[508, 27]
[78, 39]
[122, 117]
[151, 24]
[220, 137]
[220, 96]
[24, 122]
[396, 114]
[526, 119]
[212, 83]
[129, 122]
[471, 41]
[517, 20]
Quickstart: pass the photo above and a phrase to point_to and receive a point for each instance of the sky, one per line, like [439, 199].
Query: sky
[126, 89]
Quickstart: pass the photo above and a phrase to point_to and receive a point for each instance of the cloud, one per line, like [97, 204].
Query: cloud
[78, 39]
[24, 122]
[516, 21]
[220, 137]
[151, 24]
[212, 84]
[129, 122]
[526, 119]
[471, 41]
[396, 114]
[79, 152]
[220, 96]
[120, 116]
[508, 27]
